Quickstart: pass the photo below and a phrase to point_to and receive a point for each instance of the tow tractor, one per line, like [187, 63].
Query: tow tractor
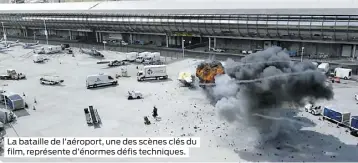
[314, 110]
[116, 63]
[11, 74]
[134, 95]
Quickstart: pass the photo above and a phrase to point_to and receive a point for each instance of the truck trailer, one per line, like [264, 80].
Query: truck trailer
[343, 73]
[342, 118]
[152, 72]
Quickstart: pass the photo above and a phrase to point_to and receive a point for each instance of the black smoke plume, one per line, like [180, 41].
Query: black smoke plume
[257, 88]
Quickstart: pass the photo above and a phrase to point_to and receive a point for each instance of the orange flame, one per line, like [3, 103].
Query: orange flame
[207, 72]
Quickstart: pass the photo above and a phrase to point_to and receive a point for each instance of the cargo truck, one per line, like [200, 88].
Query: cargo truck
[131, 56]
[152, 58]
[141, 56]
[341, 118]
[152, 72]
[354, 125]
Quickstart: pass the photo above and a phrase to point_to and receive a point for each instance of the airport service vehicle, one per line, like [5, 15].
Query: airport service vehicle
[186, 78]
[53, 50]
[141, 56]
[6, 116]
[152, 72]
[314, 110]
[94, 81]
[131, 56]
[354, 125]
[11, 74]
[92, 116]
[93, 52]
[336, 116]
[116, 63]
[207, 71]
[39, 58]
[88, 116]
[51, 80]
[315, 64]
[124, 73]
[13, 100]
[323, 67]
[68, 51]
[217, 50]
[343, 73]
[134, 95]
[123, 43]
[65, 46]
[40, 50]
[152, 58]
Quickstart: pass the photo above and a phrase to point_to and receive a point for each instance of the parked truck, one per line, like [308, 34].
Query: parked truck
[131, 56]
[152, 58]
[152, 72]
[343, 73]
[354, 125]
[207, 71]
[11, 74]
[338, 117]
[141, 56]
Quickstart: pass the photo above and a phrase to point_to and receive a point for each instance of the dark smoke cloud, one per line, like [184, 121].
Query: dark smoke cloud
[262, 84]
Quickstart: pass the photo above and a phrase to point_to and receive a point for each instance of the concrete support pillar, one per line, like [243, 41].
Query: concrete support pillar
[354, 51]
[97, 40]
[209, 43]
[167, 41]
[100, 36]
[70, 34]
[131, 38]
[214, 42]
[201, 39]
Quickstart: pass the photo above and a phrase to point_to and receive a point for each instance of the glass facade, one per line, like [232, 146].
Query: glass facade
[315, 27]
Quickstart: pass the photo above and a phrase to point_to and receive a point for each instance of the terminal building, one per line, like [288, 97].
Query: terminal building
[320, 28]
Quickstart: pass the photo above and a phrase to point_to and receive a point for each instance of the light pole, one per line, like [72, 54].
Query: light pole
[3, 31]
[104, 45]
[46, 34]
[3, 91]
[303, 48]
[182, 46]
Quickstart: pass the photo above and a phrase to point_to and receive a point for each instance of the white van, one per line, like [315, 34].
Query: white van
[324, 67]
[344, 73]
[38, 58]
[94, 81]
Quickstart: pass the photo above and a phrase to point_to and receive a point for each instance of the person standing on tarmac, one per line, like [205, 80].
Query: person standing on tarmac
[155, 112]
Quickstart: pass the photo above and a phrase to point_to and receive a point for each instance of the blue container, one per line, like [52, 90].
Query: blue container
[333, 115]
[354, 122]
